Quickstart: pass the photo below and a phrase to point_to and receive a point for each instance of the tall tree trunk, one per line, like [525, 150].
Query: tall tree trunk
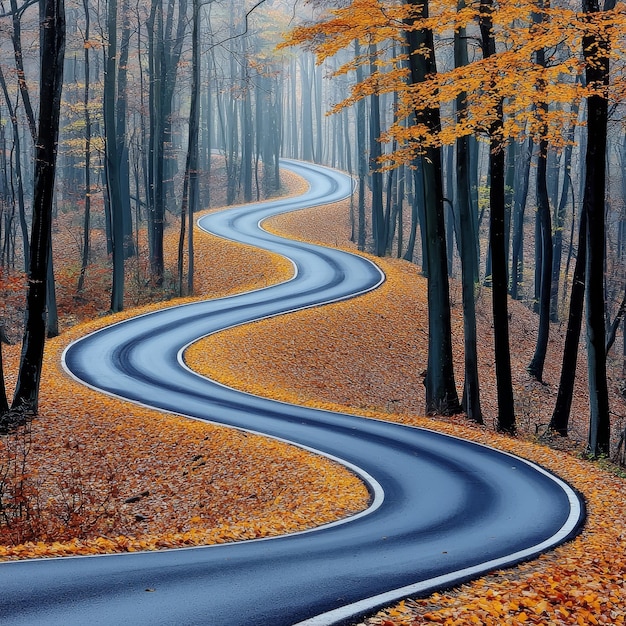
[112, 160]
[18, 171]
[467, 241]
[4, 401]
[559, 220]
[51, 82]
[506, 409]
[441, 393]
[319, 117]
[596, 54]
[87, 116]
[535, 368]
[361, 157]
[415, 202]
[190, 184]
[165, 53]
[519, 207]
[16, 38]
[51, 303]
[121, 106]
[559, 421]
[307, 74]
[378, 218]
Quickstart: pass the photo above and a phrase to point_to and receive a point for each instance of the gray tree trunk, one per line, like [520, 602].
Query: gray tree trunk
[506, 410]
[596, 53]
[467, 241]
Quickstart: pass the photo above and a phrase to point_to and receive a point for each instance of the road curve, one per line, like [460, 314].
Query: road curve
[443, 509]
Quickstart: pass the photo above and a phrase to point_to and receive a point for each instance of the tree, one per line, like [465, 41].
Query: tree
[467, 241]
[379, 230]
[113, 160]
[506, 409]
[519, 208]
[190, 185]
[560, 416]
[166, 45]
[370, 22]
[441, 394]
[18, 169]
[51, 82]
[16, 37]
[87, 116]
[596, 46]
[361, 155]
[544, 246]
[4, 402]
[560, 215]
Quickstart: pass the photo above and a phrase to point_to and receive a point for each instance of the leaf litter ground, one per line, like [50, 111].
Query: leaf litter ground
[187, 483]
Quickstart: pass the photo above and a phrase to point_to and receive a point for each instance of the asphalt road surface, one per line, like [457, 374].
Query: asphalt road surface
[442, 510]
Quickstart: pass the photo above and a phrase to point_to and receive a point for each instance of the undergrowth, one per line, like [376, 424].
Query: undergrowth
[55, 505]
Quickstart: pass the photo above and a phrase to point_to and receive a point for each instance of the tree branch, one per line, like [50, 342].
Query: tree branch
[247, 15]
[19, 10]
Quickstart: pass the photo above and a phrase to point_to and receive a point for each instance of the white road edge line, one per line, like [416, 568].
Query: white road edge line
[447, 580]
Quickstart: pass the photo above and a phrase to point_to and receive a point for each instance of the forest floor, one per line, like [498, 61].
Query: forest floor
[120, 477]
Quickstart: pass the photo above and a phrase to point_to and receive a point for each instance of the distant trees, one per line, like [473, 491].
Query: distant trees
[111, 132]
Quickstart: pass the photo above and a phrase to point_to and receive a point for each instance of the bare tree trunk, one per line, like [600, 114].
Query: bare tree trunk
[112, 159]
[190, 184]
[51, 82]
[4, 402]
[559, 220]
[596, 53]
[121, 111]
[535, 368]
[560, 416]
[467, 241]
[519, 208]
[18, 171]
[361, 157]
[506, 410]
[376, 176]
[87, 115]
[441, 393]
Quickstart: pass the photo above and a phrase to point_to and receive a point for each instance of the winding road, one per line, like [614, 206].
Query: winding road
[443, 510]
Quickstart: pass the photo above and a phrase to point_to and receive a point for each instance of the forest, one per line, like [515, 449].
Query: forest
[486, 141]
[487, 144]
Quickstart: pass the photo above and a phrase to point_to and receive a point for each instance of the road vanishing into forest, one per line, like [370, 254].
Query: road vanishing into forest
[443, 510]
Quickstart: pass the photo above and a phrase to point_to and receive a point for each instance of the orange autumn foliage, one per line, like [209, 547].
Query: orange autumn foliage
[511, 76]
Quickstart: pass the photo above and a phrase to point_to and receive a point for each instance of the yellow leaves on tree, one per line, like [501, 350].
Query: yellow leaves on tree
[511, 74]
